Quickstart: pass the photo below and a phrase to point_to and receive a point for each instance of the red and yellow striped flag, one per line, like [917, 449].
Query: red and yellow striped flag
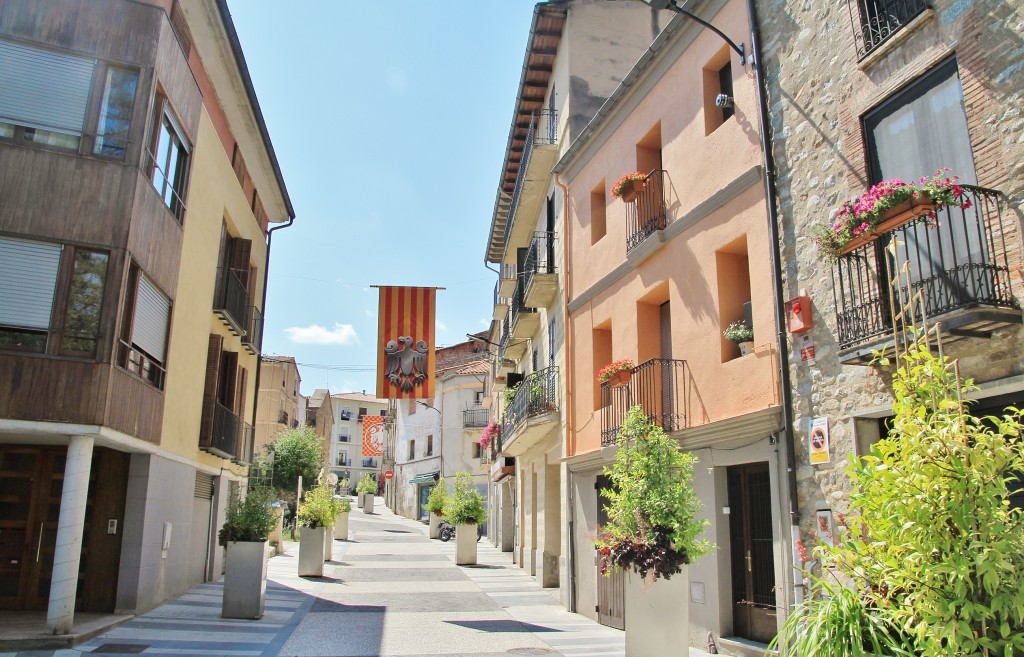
[405, 343]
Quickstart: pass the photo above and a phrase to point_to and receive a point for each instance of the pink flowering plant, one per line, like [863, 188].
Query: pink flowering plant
[613, 368]
[865, 213]
[629, 181]
[491, 433]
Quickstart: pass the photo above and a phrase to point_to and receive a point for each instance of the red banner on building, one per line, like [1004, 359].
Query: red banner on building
[405, 343]
[373, 435]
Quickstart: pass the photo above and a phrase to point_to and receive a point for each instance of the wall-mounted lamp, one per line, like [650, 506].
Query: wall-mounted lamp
[723, 101]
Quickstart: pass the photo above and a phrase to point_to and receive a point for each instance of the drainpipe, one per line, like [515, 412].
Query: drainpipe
[263, 306]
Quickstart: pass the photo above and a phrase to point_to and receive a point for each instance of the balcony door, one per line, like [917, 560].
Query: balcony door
[752, 553]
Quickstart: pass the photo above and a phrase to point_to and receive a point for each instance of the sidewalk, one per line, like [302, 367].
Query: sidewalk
[388, 592]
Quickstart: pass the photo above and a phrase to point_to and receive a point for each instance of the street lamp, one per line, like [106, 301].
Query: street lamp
[440, 437]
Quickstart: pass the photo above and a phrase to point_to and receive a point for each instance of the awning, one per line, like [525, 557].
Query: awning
[427, 478]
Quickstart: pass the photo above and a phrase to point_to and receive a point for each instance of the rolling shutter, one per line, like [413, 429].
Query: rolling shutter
[44, 89]
[29, 274]
[152, 315]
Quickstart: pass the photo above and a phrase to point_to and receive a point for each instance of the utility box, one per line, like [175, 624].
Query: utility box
[798, 314]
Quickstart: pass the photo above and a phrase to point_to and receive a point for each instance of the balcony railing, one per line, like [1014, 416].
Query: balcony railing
[657, 385]
[648, 213]
[254, 331]
[370, 463]
[231, 301]
[245, 445]
[537, 395]
[475, 417]
[227, 430]
[957, 261]
[874, 21]
[343, 438]
[141, 365]
[343, 462]
[519, 306]
[543, 129]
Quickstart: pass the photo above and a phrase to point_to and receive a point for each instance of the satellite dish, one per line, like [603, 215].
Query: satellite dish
[332, 480]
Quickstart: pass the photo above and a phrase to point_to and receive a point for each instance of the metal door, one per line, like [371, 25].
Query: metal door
[424, 494]
[753, 560]
[611, 587]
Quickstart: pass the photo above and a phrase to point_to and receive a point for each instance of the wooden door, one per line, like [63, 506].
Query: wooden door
[31, 481]
[611, 588]
[753, 560]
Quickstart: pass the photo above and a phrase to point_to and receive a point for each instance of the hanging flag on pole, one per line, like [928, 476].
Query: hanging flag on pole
[405, 343]
[373, 435]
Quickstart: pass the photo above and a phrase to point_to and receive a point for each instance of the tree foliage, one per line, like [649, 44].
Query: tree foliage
[466, 504]
[297, 452]
[367, 485]
[319, 508]
[248, 519]
[438, 498]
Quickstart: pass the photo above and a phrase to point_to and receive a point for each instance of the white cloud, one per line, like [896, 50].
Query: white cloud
[485, 322]
[343, 334]
[368, 313]
[440, 325]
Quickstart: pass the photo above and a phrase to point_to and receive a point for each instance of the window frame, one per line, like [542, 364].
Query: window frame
[131, 357]
[164, 117]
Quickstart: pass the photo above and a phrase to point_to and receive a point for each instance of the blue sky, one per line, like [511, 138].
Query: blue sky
[390, 122]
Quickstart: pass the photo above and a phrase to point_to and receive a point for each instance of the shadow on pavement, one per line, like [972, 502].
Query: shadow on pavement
[501, 626]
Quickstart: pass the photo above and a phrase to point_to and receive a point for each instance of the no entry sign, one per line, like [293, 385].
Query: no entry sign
[389, 474]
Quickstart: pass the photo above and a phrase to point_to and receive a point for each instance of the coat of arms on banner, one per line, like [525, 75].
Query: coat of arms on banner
[405, 364]
[373, 435]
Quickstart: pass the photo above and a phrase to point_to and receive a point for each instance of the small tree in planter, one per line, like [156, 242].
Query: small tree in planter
[344, 507]
[343, 486]
[465, 510]
[247, 524]
[652, 530]
[316, 513]
[436, 502]
[366, 489]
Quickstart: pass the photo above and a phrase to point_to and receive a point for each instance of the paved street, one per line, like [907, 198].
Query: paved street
[389, 591]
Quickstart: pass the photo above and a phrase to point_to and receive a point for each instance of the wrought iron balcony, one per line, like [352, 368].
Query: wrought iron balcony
[958, 262]
[648, 213]
[227, 433]
[539, 280]
[254, 333]
[475, 417]
[245, 445]
[507, 282]
[542, 132]
[231, 301]
[370, 463]
[874, 21]
[657, 385]
[523, 320]
[537, 395]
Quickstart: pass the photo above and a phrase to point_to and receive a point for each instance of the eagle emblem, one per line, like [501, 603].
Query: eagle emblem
[405, 365]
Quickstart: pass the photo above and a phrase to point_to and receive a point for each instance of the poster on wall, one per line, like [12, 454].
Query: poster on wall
[818, 442]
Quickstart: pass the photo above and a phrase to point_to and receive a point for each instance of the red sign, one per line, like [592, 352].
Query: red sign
[388, 474]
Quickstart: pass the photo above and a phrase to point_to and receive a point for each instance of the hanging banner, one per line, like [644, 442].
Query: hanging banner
[405, 343]
[373, 435]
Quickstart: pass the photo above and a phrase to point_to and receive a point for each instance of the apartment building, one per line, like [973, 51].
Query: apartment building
[320, 417]
[277, 407]
[576, 55]
[131, 143]
[346, 454]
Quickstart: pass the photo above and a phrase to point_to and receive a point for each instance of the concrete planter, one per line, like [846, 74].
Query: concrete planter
[276, 537]
[368, 503]
[245, 580]
[434, 528]
[341, 527]
[360, 499]
[657, 616]
[465, 544]
[329, 543]
[311, 552]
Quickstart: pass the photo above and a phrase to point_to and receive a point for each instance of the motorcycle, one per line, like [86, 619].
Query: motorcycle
[446, 531]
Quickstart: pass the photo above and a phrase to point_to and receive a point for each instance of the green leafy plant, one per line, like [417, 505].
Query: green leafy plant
[738, 331]
[344, 504]
[438, 498]
[367, 485]
[466, 504]
[320, 508]
[931, 547]
[343, 483]
[297, 452]
[509, 394]
[652, 507]
[248, 519]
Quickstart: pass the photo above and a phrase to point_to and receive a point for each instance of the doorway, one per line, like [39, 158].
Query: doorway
[752, 552]
[424, 494]
[611, 587]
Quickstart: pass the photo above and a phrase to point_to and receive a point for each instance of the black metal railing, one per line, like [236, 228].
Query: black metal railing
[141, 365]
[246, 442]
[344, 462]
[232, 299]
[518, 305]
[537, 394]
[540, 257]
[956, 260]
[543, 130]
[648, 213]
[343, 438]
[370, 463]
[475, 417]
[254, 329]
[227, 429]
[874, 21]
[657, 385]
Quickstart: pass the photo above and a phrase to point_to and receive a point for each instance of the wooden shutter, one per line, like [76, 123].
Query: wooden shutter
[213, 358]
[238, 258]
[180, 27]
[243, 380]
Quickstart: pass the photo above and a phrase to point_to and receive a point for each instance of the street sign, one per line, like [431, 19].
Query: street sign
[819, 448]
[388, 474]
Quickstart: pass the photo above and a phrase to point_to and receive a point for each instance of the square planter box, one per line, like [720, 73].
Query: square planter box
[329, 543]
[434, 528]
[311, 552]
[657, 616]
[245, 580]
[465, 544]
[341, 527]
[368, 503]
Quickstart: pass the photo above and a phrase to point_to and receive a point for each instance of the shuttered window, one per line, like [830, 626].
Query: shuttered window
[149, 325]
[45, 90]
[28, 279]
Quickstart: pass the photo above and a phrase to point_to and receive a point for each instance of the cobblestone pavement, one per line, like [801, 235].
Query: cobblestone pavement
[388, 592]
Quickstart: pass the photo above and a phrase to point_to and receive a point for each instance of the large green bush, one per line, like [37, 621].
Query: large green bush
[249, 518]
[367, 485]
[438, 498]
[297, 452]
[319, 508]
[466, 504]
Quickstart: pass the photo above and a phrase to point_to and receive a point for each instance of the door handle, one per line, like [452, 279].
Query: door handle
[750, 563]
[39, 544]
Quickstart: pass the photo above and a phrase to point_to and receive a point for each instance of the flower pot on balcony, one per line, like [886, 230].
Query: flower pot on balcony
[746, 348]
[895, 217]
[630, 195]
[245, 580]
[620, 378]
[311, 552]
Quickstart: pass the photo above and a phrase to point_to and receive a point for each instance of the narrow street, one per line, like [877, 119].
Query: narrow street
[388, 591]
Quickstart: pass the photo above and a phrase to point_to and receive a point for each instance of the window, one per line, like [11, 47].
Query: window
[430, 446]
[602, 346]
[733, 274]
[144, 330]
[343, 437]
[362, 412]
[412, 450]
[880, 19]
[50, 289]
[598, 212]
[476, 450]
[115, 112]
[718, 83]
[478, 397]
[225, 392]
[169, 157]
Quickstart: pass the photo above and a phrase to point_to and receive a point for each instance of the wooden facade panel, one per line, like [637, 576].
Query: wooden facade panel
[155, 238]
[52, 390]
[135, 407]
[177, 82]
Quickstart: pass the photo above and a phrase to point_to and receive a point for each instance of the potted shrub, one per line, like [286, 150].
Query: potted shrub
[343, 507]
[435, 507]
[465, 510]
[366, 489]
[617, 373]
[315, 515]
[343, 487]
[652, 532]
[886, 206]
[248, 522]
[629, 186]
[742, 334]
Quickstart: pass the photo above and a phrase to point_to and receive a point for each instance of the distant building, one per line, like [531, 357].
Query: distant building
[278, 400]
[320, 416]
[346, 448]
